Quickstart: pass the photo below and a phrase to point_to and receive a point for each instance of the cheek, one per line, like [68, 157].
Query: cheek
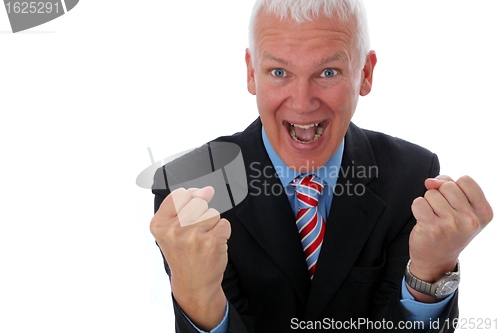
[343, 102]
[268, 101]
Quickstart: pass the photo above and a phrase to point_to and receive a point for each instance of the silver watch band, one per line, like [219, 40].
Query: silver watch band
[431, 289]
[416, 283]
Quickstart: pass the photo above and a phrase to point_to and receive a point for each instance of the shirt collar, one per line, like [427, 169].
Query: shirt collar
[329, 172]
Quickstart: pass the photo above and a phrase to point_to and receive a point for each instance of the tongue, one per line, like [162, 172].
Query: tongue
[305, 135]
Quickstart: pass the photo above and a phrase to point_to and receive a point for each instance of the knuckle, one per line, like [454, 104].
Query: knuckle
[489, 214]
[417, 201]
[226, 227]
[430, 194]
[486, 212]
[445, 178]
[211, 216]
[214, 213]
[472, 222]
[178, 198]
[162, 232]
[179, 191]
[448, 187]
[434, 229]
[191, 238]
[465, 180]
[212, 243]
[200, 203]
[467, 222]
[451, 225]
[156, 224]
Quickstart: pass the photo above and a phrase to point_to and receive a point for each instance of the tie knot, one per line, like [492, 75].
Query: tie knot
[308, 188]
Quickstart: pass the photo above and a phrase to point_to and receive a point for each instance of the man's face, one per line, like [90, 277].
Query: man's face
[307, 79]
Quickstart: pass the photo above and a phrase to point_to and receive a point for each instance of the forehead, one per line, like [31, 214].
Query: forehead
[322, 37]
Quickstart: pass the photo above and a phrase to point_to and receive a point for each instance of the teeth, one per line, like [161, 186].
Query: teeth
[305, 126]
[319, 131]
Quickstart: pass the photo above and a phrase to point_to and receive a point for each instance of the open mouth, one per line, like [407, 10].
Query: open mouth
[305, 133]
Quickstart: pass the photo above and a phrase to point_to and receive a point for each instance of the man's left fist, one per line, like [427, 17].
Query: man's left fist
[448, 217]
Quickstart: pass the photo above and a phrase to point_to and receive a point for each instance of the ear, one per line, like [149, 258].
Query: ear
[250, 73]
[367, 73]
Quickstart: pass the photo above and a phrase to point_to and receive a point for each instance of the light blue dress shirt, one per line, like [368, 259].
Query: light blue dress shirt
[423, 312]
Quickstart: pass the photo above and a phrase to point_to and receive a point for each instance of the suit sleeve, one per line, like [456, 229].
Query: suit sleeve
[387, 305]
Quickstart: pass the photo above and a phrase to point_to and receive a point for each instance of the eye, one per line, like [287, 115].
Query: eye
[278, 72]
[329, 72]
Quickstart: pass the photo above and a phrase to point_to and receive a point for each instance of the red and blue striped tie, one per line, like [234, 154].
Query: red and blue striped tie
[310, 223]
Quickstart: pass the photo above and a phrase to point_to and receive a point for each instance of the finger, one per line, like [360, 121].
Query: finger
[445, 178]
[422, 211]
[173, 203]
[438, 203]
[222, 229]
[206, 193]
[209, 218]
[435, 183]
[192, 211]
[455, 196]
[476, 198]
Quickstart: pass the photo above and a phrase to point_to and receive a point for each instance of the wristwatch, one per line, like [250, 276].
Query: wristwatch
[440, 289]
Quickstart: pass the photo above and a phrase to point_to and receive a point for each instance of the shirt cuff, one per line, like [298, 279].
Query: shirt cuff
[424, 312]
[223, 327]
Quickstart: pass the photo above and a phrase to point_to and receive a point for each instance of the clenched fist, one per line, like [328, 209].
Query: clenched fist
[448, 217]
[193, 239]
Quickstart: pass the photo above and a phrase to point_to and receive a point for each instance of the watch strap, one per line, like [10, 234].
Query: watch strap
[426, 287]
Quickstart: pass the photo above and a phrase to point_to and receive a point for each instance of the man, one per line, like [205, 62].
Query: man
[263, 266]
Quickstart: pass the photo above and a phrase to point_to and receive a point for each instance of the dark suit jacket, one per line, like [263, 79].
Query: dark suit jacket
[365, 249]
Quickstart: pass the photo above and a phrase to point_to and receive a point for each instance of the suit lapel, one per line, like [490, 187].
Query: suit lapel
[267, 215]
[349, 224]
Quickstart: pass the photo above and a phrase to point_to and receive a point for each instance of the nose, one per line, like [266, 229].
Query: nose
[302, 98]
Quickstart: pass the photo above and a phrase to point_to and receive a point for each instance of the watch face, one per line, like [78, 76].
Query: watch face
[449, 287]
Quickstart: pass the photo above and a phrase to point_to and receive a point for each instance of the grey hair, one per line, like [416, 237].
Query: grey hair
[306, 10]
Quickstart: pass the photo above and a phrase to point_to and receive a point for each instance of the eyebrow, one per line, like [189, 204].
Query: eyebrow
[269, 56]
[321, 63]
[335, 57]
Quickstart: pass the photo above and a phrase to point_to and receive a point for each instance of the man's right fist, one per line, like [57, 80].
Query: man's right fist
[193, 239]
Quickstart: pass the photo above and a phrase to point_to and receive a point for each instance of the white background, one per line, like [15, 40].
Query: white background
[83, 96]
